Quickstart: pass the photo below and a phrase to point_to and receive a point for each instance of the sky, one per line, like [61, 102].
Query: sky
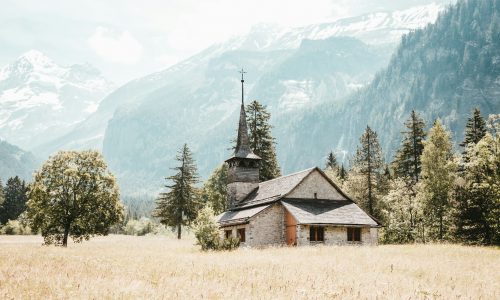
[128, 39]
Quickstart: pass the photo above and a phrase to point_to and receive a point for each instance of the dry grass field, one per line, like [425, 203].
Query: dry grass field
[125, 267]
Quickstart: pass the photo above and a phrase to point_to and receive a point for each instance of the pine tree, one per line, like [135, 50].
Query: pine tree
[331, 162]
[475, 130]
[15, 199]
[478, 200]
[261, 140]
[179, 206]
[407, 161]
[438, 174]
[368, 163]
[342, 173]
[214, 190]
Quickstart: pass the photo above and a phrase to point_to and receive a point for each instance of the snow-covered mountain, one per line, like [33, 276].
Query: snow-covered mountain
[380, 28]
[40, 100]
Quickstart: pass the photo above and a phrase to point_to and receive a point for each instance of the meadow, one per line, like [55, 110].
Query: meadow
[158, 267]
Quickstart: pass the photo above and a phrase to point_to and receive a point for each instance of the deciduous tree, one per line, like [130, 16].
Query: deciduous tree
[73, 194]
[439, 168]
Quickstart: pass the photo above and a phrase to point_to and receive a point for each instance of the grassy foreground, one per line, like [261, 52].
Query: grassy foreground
[126, 267]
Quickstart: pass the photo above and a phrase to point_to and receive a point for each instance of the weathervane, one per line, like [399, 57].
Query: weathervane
[242, 81]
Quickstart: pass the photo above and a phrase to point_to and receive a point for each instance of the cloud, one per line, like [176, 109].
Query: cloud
[115, 47]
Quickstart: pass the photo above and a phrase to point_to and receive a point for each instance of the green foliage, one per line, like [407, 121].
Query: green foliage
[407, 162]
[230, 243]
[15, 199]
[364, 178]
[438, 174]
[214, 191]
[475, 130]
[206, 229]
[15, 227]
[331, 161]
[73, 194]
[402, 212]
[179, 206]
[478, 199]
[261, 141]
[140, 227]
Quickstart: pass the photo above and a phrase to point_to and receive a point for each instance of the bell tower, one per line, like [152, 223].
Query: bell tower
[243, 166]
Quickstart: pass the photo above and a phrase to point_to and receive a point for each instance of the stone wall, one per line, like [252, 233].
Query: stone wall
[315, 183]
[267, 227]
[234, 232]
[337, 235]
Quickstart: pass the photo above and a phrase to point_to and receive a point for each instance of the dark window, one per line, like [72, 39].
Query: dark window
[315, 195]
[316, 234]
[353, 234]
[241, 234]
[228, 233]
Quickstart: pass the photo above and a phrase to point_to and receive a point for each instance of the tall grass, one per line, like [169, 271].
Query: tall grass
[154, 267]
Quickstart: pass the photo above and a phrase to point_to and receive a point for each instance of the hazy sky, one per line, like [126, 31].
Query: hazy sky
[129, 39]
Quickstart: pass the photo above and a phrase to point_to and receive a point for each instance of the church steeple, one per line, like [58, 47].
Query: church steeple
[243, 149]
[243, 166]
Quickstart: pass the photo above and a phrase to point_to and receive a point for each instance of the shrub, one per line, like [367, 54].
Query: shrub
[15, 227]
[140, 227]
[206, 231]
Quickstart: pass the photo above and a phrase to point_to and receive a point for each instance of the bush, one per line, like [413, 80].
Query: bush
[206, 231]
[140, 227]
[15, 227]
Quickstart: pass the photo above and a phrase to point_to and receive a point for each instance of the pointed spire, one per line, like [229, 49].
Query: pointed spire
[243, 149]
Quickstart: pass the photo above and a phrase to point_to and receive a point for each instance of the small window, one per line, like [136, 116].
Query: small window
[228, 233]
[315, 195]
[241, 234]
[316, 234]
[353, 234]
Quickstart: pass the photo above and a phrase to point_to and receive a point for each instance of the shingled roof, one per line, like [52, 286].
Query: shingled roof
[240, 216]
[243, 149]
[337, 212]
[272, 190]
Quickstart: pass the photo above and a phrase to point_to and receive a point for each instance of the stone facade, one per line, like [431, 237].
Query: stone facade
[337, 235]
[313, 184]
[267, 228]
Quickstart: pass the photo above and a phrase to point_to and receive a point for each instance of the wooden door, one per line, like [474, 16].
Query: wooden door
[291, 229]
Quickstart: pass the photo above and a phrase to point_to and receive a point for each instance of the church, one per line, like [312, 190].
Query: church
[303, 208]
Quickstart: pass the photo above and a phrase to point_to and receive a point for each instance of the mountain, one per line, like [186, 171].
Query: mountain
[40, 100]
[197, 100]
[15, 161]
[442, 71]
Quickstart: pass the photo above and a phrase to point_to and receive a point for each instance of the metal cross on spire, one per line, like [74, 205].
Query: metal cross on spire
[242, 72]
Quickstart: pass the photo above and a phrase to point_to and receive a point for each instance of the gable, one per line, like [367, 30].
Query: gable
[315, 183]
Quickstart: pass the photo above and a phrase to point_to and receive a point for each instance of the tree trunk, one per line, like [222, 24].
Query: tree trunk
[179, 231]
[65, 237]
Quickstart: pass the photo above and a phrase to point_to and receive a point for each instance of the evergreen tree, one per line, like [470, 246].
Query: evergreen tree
[331, 162]
[475, 130]
[438, 174]
[15, 199]
[368, 163]
[342, 173]
[179, 206]
[407, 161]
[478, 200]
[214, 190]
[261, 140]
